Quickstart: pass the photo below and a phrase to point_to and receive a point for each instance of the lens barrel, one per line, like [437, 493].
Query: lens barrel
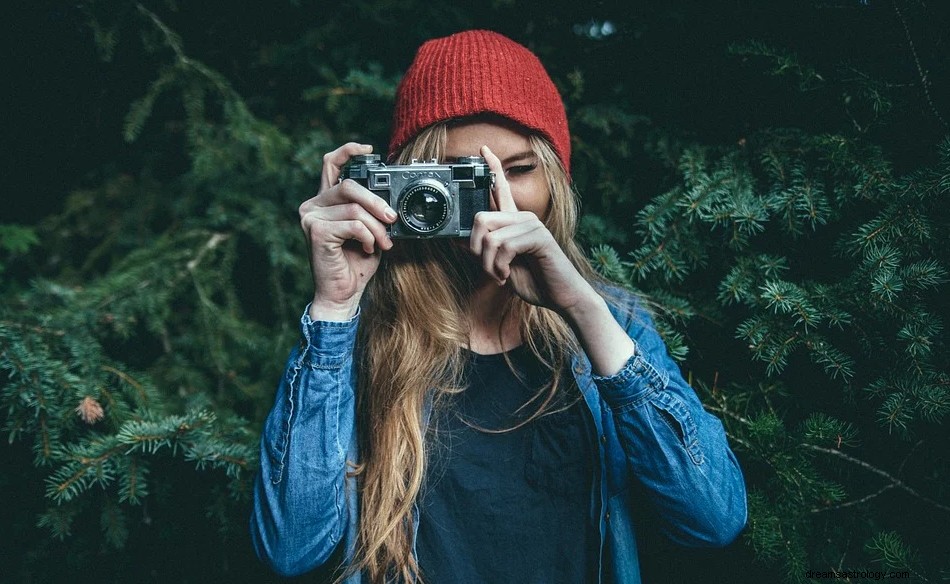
[424, 206]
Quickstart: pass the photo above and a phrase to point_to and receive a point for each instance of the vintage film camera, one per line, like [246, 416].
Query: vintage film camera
[432, 199]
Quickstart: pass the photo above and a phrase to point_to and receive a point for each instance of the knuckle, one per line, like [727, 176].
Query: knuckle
[359, 227]
[348, 187]
[352, 210]
[355, 188]
[315, 234]
[307, 219]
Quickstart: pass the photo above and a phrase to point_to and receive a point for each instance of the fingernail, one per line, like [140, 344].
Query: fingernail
[366, 146]
[391, 215]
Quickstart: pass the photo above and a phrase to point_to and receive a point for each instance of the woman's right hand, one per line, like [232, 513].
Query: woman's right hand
[345, 225]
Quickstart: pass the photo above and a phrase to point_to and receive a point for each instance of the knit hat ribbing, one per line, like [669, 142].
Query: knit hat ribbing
[476, 72]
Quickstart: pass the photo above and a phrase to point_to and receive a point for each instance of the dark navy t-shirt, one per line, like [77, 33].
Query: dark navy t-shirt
[509, 506]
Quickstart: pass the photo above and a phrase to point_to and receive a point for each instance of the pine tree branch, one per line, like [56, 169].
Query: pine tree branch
[214, 241]
[241, 462]
[726, 412]
[900, 469]
[847, 546]
[924, 82]
[36, 329]
[89, 462]
[133, 479]
[44, 435]
[745, 443]
[854, 502]
[86, 464]
[174, 43]
[171, 39]
[128, 379]
[894, 481]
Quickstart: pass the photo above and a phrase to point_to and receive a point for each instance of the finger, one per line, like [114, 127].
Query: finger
[501, 194]
[518, 245]
[486, 222]
[350, 191]
[334, 161]
[502, 246]
[354, 211]
[342, 231]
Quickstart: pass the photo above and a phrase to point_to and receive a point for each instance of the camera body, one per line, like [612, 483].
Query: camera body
[431, 199]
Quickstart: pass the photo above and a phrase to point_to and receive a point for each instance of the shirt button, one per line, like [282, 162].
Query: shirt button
[607, 516]
[603, 438]
[579, 369]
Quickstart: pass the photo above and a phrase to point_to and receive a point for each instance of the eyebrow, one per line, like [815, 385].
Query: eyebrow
[518, 156]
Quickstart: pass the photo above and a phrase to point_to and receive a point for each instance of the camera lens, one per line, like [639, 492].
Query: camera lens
[424, 207]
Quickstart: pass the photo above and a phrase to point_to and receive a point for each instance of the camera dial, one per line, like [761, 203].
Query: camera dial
[424, 206]
[470, 160]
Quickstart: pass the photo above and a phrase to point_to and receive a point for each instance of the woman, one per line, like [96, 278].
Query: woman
[482, 409]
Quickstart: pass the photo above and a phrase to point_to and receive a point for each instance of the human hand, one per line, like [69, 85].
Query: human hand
[345, 225]
[517, 250]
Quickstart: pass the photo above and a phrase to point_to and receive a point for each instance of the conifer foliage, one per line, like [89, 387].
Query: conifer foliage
[791, 235]
[847, 339]
[829, 269]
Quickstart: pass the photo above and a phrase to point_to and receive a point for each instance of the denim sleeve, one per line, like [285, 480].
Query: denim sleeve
[676, 449]
[300, 512]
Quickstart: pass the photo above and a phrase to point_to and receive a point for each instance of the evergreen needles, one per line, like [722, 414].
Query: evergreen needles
[784, 214]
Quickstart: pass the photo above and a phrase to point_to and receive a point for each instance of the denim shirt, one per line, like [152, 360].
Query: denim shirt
[657, 447]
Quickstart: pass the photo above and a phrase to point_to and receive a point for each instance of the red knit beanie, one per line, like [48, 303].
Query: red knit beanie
[475, 72]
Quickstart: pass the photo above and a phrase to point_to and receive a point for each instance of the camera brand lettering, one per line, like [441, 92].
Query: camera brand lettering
[411, 174]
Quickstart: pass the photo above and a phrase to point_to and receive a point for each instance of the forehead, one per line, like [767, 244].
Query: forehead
[466, 139]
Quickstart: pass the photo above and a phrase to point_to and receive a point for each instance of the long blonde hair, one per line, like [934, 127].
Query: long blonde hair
[413, 329]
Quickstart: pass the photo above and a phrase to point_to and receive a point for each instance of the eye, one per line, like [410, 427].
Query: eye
[521, 169]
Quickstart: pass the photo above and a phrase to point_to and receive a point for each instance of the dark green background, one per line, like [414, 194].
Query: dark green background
[666, 61]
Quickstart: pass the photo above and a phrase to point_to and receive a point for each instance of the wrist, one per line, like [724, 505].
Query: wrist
[322, 310]
[606, 343]
[591, 306]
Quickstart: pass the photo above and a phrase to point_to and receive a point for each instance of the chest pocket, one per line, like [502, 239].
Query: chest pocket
[559, 454]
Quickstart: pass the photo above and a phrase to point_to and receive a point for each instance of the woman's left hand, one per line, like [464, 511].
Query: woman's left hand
[517, 250]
